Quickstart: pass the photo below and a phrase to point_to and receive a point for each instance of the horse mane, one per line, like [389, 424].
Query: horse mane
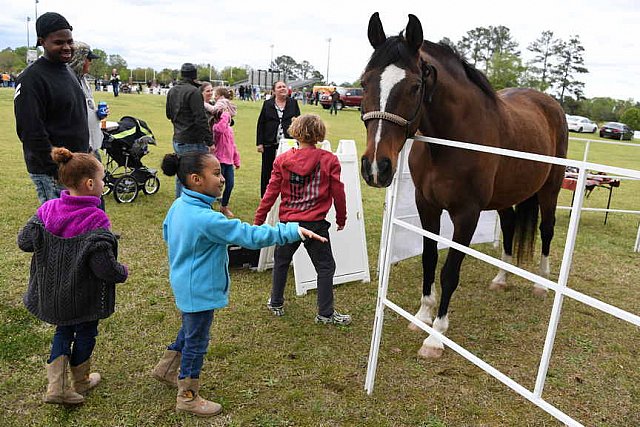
[476, 76]
[395, 49]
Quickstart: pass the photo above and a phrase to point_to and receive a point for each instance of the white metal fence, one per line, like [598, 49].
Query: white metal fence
[560, 287]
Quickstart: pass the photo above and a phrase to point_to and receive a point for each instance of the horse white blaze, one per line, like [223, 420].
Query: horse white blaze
[389, 78]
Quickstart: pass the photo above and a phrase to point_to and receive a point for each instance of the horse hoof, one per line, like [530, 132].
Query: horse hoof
[430, 352]
[497, 286]
[539, 291]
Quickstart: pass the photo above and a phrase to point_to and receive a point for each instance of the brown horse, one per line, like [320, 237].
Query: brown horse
[412, 85]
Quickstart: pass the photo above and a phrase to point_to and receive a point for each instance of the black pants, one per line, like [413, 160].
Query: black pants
[268, 157]
[322, 259]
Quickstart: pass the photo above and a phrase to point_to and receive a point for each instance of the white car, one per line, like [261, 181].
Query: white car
[581, 124]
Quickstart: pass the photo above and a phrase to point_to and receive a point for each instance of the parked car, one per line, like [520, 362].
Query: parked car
[581, 124]
[349, 97]
[615, 130]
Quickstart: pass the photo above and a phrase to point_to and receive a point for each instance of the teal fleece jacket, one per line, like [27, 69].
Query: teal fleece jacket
[197, 238]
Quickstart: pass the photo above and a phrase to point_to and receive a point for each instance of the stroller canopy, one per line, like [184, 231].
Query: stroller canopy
[129, 139]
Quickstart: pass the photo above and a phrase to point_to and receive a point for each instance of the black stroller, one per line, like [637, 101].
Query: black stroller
[125, 174]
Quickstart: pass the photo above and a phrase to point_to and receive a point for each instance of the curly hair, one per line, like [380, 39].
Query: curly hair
[308, 129]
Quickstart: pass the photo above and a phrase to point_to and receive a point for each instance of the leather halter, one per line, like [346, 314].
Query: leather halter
[426, 70]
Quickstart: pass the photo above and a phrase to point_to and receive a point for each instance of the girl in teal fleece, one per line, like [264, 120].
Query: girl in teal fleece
[197, 238]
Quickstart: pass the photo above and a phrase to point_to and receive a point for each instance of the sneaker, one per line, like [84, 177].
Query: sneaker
[335, 319]
[276, 310]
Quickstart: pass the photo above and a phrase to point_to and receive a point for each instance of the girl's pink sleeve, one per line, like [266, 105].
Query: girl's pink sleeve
[223, 123]
[236, 155]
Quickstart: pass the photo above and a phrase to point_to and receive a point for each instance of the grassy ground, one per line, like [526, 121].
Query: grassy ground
[288, 371]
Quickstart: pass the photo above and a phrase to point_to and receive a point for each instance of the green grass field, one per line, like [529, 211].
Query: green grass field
[269, 371]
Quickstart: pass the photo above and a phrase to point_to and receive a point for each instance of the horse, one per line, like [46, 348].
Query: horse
[414, 86]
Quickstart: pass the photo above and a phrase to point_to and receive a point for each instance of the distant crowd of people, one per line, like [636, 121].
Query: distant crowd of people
[7, 79]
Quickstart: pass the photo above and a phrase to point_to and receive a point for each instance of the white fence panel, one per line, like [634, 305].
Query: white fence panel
[560, 287]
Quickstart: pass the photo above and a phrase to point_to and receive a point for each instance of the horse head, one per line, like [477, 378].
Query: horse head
[396, 83]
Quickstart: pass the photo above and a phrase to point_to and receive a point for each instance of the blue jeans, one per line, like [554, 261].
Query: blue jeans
[228, 174]
[181, 148]
[46, 187]
[75, 341]
[193, 341]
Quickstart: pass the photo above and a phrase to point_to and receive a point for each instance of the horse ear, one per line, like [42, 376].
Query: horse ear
[413, 33]
[376, 32]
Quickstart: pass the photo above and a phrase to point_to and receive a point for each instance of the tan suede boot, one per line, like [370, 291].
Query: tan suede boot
[166, 370]
[81, 379]
[59, 389]
[190, 401]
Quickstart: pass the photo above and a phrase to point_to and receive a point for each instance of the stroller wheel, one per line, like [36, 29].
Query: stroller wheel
[125, 189]
[107, 189]
[151, 185]
[108, 184]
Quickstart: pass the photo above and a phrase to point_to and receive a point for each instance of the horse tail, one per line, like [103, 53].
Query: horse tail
[525, 229]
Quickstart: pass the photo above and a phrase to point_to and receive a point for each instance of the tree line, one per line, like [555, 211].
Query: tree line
[555, 68]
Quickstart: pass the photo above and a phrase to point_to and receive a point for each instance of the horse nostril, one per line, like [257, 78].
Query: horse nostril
[384, 166]
[365, 168]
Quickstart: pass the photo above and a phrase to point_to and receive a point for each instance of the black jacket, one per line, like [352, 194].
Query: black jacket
[72, 280]
[185, 109]
[268, 121]
[50, 110]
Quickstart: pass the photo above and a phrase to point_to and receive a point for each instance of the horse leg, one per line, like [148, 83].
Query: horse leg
[464, 225]
[430, 219]
[547, 223]
[507, 225]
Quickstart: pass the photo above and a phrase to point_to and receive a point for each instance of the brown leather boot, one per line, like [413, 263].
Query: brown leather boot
[82, 379]
[166, 370]
[59, 390]
[190, 401]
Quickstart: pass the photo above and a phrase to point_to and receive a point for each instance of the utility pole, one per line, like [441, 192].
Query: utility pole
[28, 38]
[328, 57]
[271, 60]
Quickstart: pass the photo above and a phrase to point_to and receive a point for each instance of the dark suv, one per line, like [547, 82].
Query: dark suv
[615, 130]
[349, 97]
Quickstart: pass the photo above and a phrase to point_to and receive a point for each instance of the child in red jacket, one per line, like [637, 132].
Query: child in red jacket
[308, 181]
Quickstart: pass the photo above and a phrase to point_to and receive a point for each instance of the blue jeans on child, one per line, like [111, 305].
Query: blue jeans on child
[228, 172]
[181, 148]
[75, 341]
[193, 341]
[46, 187]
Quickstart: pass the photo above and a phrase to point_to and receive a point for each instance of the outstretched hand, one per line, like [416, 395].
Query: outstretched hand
[311, 235]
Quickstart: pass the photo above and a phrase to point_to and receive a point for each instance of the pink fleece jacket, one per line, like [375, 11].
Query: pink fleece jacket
[225, 149]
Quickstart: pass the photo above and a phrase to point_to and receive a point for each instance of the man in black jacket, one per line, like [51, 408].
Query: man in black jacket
[49, 105]
[185, 109]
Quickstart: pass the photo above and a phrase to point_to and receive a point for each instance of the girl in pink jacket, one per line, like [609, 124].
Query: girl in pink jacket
[226, 151]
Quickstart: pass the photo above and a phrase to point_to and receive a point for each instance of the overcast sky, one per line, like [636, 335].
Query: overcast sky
[164, 34]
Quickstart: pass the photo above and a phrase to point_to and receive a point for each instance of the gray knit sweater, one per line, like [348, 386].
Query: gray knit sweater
[72, 280]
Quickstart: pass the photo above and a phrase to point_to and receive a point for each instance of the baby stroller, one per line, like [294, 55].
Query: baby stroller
[125, 174]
